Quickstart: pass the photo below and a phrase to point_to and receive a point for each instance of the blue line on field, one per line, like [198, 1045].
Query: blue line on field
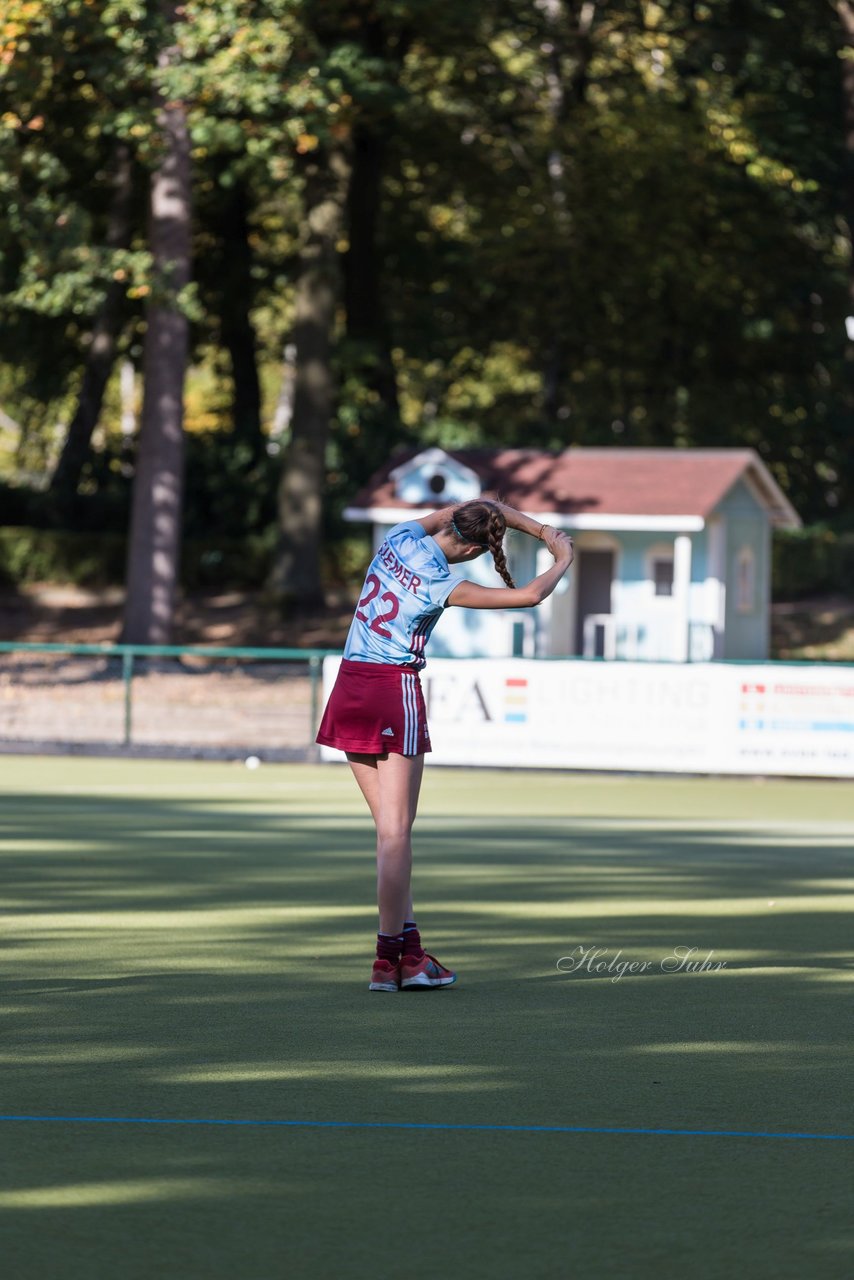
[480, 1128]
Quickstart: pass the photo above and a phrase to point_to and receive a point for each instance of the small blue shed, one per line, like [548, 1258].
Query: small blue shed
[673, 548]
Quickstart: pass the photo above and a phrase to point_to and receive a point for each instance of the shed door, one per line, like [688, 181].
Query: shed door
[594, 575]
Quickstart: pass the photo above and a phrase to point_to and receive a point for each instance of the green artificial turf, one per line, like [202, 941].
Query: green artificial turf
[193, 940]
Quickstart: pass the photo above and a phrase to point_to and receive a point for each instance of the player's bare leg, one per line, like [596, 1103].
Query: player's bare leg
[398, 779]
[365, 772]
[368, 772]
[391, 786]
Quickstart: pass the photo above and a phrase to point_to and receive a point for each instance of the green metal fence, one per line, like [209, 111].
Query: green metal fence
[223, 700]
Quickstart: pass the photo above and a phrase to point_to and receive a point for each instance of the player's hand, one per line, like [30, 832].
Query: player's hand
[559, 544]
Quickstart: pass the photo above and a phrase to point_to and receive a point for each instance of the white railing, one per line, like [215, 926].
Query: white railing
[635, 641]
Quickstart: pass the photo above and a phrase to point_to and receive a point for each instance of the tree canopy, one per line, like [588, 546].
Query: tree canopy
[549, 223]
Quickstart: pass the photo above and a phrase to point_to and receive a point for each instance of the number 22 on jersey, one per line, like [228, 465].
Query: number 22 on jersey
[377, 623]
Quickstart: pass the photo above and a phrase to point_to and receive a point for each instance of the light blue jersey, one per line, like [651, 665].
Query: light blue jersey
[403, 598]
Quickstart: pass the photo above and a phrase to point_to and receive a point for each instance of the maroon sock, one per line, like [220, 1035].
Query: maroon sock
[412, 940]
[388, 946]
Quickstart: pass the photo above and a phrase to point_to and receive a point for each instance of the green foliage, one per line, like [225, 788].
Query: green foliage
[631, 234]
[812, 561]
[682, 280]
[346, 558]
[30, 556]
[225, 490]
[227, 562]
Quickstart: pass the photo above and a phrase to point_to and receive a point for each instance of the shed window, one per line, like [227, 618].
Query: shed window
[662, 577]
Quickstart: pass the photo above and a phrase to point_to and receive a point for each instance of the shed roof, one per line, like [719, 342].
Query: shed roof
[603, 482]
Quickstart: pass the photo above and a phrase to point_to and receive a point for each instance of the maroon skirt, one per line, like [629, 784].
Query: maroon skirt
[373, 709]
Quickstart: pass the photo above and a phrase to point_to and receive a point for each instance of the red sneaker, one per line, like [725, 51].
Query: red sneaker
[385, 976]
[420, 975]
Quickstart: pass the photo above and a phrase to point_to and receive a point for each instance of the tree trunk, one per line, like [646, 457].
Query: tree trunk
[568, 50]
[238, 332]
[363, 294]
[367, 352]
[155, 530]
[105, 333]
[296, 573]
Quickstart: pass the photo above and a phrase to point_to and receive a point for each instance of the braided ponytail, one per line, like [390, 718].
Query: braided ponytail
[494, 538]
[482, 523]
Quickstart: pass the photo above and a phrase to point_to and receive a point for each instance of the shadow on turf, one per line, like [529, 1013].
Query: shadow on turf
[199, 936]
[148, 973]
[67, 855]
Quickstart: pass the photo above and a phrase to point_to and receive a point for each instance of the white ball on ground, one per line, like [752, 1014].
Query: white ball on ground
[252, 762]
